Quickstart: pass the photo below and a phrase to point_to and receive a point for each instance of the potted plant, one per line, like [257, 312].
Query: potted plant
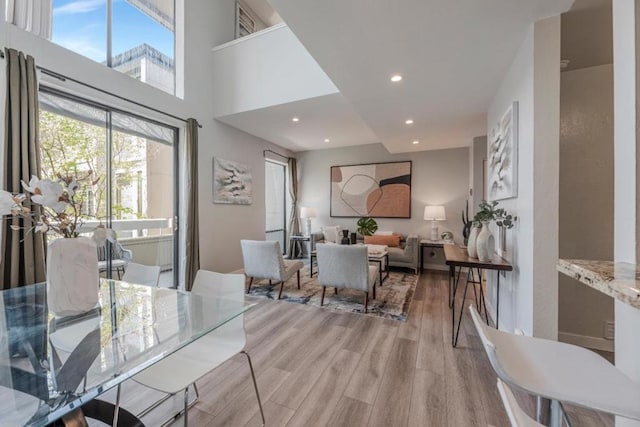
[481, 241]
[367, 226]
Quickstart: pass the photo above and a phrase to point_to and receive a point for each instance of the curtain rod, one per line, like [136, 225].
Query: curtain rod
[63, 78]
[264, 153]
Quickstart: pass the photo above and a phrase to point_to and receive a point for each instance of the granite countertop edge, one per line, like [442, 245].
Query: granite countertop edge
[617, 279]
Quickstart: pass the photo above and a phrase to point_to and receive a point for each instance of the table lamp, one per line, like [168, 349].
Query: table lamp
[434, 214]
[307, 214]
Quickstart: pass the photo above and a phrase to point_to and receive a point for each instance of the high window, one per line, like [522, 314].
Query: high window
[136, 37]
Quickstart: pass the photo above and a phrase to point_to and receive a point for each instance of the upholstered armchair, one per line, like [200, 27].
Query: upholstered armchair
[346, 266]
[263, 260]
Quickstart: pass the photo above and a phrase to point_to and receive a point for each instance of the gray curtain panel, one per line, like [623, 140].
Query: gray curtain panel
[192, 264]
[23, 252]
[294, 220]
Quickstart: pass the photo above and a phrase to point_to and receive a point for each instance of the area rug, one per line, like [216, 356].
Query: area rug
[392, 298]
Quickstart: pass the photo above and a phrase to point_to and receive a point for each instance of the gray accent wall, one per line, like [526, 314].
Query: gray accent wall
[438, 177]
[586, 199]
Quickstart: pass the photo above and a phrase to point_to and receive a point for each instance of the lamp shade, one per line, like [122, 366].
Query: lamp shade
[434, 213]
[307, 212]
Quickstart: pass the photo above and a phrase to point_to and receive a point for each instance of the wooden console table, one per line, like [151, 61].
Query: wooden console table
[456, 257]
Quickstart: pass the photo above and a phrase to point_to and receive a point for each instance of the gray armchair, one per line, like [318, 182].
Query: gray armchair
[346, 266]
[263, 260]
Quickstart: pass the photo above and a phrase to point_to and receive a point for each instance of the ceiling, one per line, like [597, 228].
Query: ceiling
[323, 117]
[452, 55]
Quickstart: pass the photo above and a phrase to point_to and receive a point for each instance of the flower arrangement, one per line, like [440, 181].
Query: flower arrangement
[490, 212]
[61, 207]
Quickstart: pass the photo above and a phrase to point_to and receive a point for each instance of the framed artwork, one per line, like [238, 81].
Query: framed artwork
[380, 190]
[232, 182]
[502, 156]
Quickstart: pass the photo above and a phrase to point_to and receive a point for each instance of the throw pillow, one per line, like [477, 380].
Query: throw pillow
[331, 233]
[393, 241]
[383, 233]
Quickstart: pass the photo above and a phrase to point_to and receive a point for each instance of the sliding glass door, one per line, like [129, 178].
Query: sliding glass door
[131, 162]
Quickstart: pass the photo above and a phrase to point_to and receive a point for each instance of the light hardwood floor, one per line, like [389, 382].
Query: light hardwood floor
[317, 367]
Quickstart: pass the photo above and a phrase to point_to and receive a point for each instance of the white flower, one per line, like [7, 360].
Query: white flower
[7, 203]
[101, 234]
[48, 193]
[33, 184]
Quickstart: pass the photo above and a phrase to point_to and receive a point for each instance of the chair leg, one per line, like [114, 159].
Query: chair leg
[116, 410]
[298, 272]
[374, 290]
[322, 297]
[119, 273]
[366, 302]
[281, 286]
[255, 385]
[186, 406]
[250, 282]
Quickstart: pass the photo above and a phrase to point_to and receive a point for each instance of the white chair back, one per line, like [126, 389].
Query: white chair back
[142, 274]
[227, 287]
[343, 266]
[262, 259]
[517, 416]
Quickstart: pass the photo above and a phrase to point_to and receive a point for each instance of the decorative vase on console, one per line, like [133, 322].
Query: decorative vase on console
[72, 260]
[485, 243]
[345, 237]
[471, 244]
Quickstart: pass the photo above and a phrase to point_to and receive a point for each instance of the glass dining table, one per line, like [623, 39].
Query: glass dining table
[56, 368]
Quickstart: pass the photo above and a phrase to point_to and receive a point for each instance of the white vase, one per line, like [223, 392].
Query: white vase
[485, 243]
[72, 276]
[471, 243]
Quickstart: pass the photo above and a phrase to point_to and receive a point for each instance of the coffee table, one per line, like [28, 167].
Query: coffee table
[381, 258]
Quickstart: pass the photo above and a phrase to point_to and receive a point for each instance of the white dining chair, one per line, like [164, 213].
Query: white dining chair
[346, 266]
[559, 372]
[517, 416]
[142, 274]
[263, 260]
[175, 373]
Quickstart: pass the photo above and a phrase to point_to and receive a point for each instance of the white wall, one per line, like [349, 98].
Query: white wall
[477, 156]
[264, 69]
[586, 199]
[208, 24]
[439, 177]
[529, 294]
[625, 95]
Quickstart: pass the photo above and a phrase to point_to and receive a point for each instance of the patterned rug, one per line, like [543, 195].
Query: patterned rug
[392, 298]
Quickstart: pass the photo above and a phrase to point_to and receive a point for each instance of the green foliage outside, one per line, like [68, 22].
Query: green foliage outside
[73, 148]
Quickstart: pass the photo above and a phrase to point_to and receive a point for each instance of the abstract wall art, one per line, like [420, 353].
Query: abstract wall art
[380, 190]
[502, 156]
[231, 182]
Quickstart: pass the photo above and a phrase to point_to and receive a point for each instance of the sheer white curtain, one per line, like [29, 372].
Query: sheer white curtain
[31, 15]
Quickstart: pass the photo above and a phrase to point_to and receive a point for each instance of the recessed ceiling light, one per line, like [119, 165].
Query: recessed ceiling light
[295, 119]
[408, 121]
[396, 78]
[415, 142]
[327, 140]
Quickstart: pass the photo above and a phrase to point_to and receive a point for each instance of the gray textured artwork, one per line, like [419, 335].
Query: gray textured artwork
[503, 156]
[231, 182]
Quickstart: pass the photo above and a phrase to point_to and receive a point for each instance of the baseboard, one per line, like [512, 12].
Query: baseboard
[595, 343]
[438, 267]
